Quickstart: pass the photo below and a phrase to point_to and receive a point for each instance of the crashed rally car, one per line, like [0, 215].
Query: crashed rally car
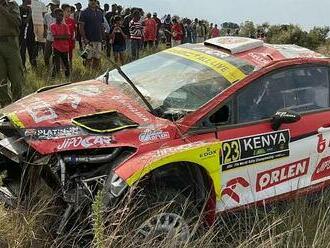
[225, 124]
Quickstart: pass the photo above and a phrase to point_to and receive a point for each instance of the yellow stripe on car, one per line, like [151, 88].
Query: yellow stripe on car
[204, 155]
[15, 120]
[224, 68]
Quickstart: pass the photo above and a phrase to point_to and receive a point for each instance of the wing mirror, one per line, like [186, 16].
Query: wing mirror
[284, 116]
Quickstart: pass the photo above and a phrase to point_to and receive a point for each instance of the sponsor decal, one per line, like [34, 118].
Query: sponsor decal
[15, 120]
[254, 149]
[224, 68]
[212, 52]
[259, 58]
[85, 142]
[169, 150]
[131, 108]
[41, 111]
[153, 135]
[231, 185]
[321, 144]
[322, 169]
[86, 90]
[53, 133]
[273, 177]
[231, 40]
[72, 99]
[209, 153]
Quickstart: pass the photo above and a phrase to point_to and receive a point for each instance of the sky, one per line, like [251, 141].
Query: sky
[307, 13]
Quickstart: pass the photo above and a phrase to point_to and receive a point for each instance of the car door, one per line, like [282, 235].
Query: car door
[259, 163]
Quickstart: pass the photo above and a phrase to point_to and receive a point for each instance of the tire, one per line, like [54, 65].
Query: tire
[164, 214]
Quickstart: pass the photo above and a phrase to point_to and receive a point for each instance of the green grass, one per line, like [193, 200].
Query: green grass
[304, 222]
[35, 79]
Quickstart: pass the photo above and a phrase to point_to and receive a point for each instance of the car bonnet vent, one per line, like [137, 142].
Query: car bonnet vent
[234, 44]
[104, 122]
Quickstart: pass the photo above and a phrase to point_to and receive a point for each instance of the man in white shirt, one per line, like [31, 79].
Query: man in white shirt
[49, 19]
[39, 9]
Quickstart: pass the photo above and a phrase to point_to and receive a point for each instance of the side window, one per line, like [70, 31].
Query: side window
[222, 116]
[298, 89]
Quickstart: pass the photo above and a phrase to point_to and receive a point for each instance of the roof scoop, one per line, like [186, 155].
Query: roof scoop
[234, 44]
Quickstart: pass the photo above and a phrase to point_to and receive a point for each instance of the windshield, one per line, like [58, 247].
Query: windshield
[176, 81]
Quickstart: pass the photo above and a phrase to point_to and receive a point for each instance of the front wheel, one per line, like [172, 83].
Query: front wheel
[165, 214]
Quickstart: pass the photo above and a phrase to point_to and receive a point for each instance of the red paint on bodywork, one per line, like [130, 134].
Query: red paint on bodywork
[189, 120]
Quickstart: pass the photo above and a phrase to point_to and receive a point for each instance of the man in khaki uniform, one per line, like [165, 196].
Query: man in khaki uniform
[11, 68]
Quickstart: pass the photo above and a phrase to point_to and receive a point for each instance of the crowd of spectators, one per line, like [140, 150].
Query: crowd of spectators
[122, 33]
[53, 31]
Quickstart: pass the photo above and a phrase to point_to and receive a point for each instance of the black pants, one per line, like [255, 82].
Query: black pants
[57, 58]
[31, 47]
[47, 52]
[149, 43]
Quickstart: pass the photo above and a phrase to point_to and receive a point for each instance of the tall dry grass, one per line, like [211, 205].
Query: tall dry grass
[304, 222]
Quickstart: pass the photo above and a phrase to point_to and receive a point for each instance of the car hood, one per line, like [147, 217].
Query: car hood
[60, 105]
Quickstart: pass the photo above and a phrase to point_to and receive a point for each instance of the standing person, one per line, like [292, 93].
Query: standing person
[106, 8]
[127, 19]
[11, 67]
[70, 22]
[76, 18]
[183, 37]
[210, 31]
[215, 32]
[49, 19]
[118, 41]
[159, 25]
[150, 30]
[167, 27]
[136, 33]
[61, 44]
[195, 27]
[39, 9]
[91, 30]
[27, 37]
[188, 31]
[111, 14]
[200, 32]
[177, 33]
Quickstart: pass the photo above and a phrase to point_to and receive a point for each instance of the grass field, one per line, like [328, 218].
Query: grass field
[304, 222]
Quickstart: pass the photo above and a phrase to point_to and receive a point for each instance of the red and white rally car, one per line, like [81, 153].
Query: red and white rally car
[229, 123]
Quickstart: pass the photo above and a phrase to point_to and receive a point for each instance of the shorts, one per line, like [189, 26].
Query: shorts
[39, 33]
[128, 45]
[95, 50]
[118, 48]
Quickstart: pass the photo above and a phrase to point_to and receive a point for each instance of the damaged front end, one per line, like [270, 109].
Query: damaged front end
[77, 176]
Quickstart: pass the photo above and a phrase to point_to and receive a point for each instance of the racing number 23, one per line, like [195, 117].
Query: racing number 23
[230, 151]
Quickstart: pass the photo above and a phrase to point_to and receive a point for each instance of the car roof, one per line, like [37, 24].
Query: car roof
[259, 53]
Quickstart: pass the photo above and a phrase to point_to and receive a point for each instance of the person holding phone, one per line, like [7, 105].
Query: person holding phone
[11, 67]
[118, 41]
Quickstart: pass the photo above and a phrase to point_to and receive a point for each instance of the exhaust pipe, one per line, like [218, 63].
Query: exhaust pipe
[96, 159]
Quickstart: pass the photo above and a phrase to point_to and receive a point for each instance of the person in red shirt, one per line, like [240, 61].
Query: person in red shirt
[177, 33]
[215, 32]
[61, 44]
[72, 27]
[150, 31]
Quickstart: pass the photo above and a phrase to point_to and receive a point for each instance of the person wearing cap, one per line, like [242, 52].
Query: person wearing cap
[49, 19]
[11, 68]
[76, 18]
[159, 25]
